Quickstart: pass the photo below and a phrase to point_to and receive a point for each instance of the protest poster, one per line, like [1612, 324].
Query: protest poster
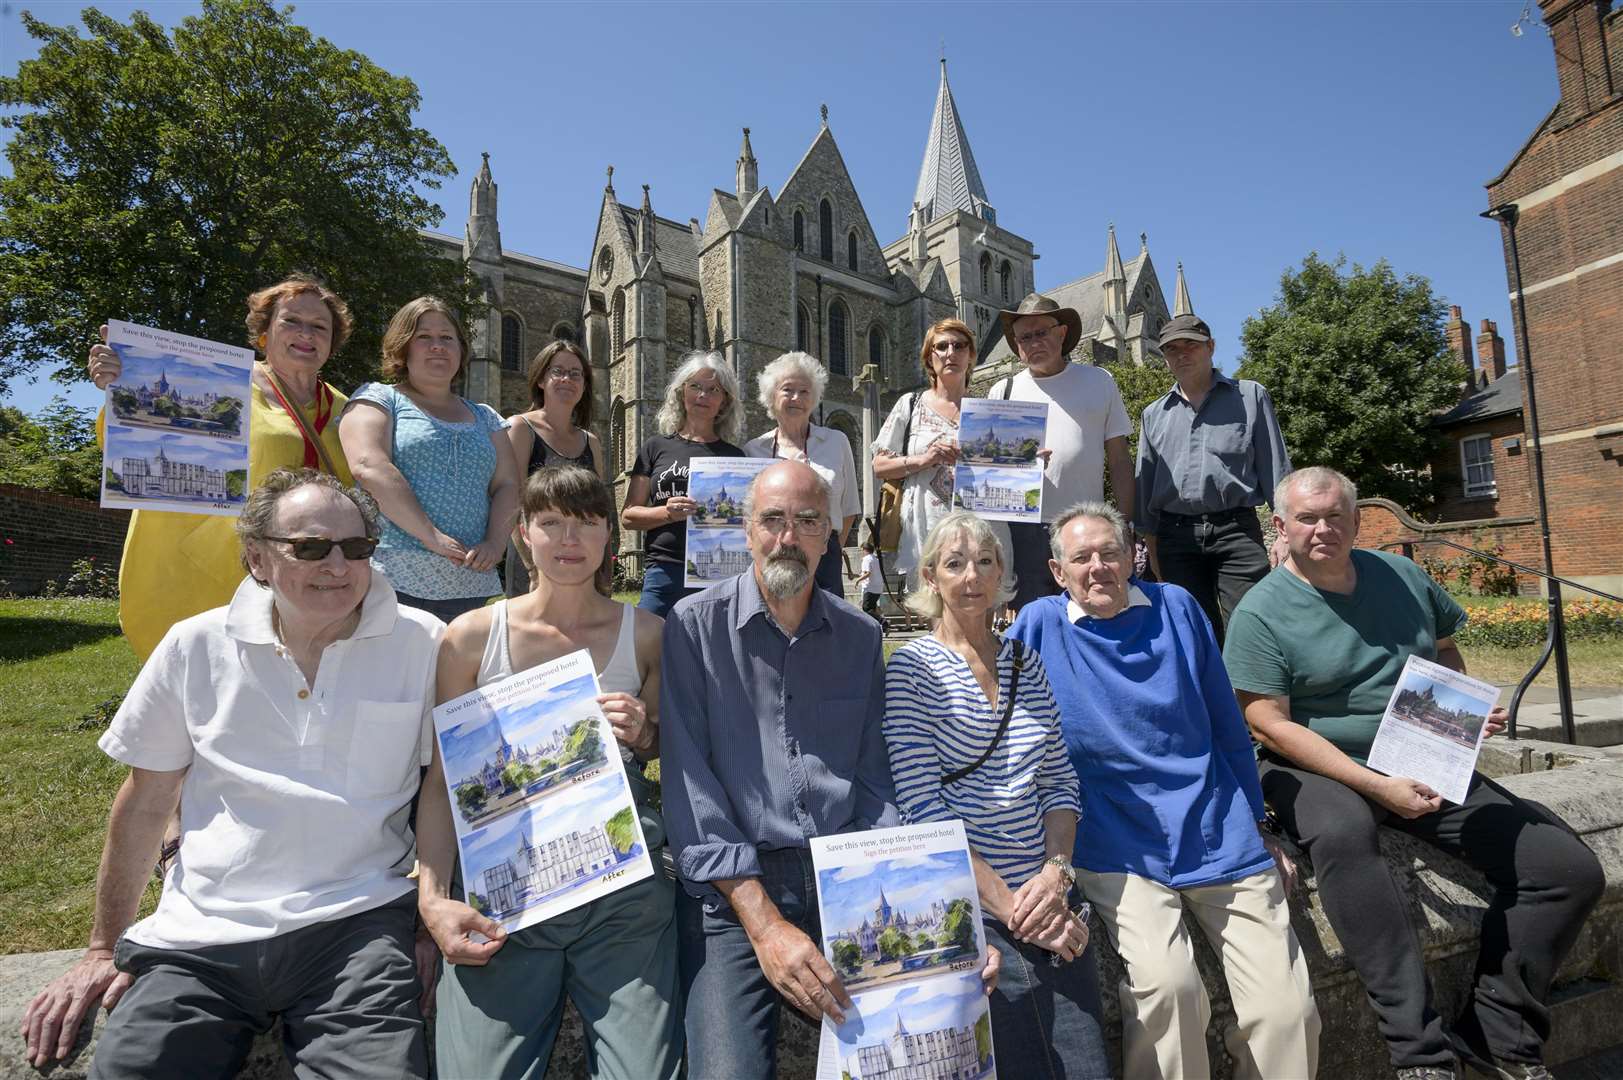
[901, 924]
[717, 547]
[545, 820]
[998, 474]
[1433, 727]
[176, 423]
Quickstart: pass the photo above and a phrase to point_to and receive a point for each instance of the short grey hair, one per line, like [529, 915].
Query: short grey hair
[926, 601]
[824, 491]
[258, 518]
[805, 365]
[673, 413]
[1314, 478]
[1090, 509]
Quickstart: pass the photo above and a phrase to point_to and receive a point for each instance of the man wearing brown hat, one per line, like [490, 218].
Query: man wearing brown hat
[1209, 453]
[1087, 430]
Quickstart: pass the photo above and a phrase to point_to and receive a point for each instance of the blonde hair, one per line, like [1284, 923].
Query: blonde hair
[926, 601]
[673, 413]
[941, 326]
[397, 338]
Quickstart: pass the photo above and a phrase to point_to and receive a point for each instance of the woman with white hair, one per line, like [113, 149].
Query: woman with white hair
[701, 417]
[791, 387]
[973, 733]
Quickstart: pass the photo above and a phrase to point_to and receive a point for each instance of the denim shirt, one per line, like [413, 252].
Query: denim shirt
[768, 740]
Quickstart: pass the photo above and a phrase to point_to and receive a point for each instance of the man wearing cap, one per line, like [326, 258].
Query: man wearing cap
[1209, 453]
[1087, 430]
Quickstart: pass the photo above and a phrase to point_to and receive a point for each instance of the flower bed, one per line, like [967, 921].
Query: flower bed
[1514, 623]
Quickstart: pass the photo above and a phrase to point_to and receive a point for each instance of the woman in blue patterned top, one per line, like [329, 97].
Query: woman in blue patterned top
[439, 466]
[973, 733]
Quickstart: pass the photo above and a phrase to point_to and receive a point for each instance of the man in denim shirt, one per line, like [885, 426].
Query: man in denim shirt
[771, 698]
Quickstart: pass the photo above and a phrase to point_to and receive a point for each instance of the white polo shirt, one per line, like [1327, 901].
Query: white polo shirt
[294, 806]
[829, 454]
[1085, 409]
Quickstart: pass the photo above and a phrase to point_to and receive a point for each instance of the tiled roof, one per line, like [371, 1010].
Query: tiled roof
[1502, 397]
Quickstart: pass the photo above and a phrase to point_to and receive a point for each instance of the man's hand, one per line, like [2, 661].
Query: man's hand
[628, 716]
[451, 923]
[1044, 455]
[1287, 865]
[989, 973]
[796, 967]
[1039, 903]
[1498, 718]
[427, 956]
[1405, 797]
[51, 1022]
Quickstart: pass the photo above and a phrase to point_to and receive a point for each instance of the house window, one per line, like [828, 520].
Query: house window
[825, 231]
[512, 342]
[851, 250]
[1476, 465]
[1004, 273]
[800, 231]
[802, 328]
[838, 362]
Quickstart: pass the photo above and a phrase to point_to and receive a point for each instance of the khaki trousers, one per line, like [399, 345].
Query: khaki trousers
[1164, 1005]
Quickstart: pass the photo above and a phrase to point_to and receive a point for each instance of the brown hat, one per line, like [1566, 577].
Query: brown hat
[1038, 304]
[1184, 328]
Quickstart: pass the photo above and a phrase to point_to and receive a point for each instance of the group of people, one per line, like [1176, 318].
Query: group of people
[1104, 749]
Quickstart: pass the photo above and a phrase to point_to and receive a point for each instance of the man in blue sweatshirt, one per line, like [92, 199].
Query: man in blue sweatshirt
[1171, 805]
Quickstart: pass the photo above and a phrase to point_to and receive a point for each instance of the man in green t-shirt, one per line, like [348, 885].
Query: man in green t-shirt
[1314, 652]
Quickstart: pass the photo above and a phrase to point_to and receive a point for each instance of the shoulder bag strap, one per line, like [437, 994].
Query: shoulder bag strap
[907, 426]
[1017, 663]
[1008, 387]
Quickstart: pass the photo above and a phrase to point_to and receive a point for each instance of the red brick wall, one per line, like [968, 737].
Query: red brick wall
[1518, 539]
[1511, 474]
[43, 535]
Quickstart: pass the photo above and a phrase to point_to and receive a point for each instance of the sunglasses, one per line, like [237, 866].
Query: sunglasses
[316, 548]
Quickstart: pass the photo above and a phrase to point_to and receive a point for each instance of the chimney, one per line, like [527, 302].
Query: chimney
[1459, 345]
[1582, 65]
[1491, 347]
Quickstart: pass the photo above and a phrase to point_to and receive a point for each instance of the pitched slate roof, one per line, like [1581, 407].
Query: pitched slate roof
[948, 179]
[674, 245]
[1502, 397]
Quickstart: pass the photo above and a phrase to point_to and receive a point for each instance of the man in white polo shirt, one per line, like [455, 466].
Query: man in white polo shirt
[291, 727]
[1087, 431]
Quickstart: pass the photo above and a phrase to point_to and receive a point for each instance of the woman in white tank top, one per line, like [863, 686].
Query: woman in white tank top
[499, 1000]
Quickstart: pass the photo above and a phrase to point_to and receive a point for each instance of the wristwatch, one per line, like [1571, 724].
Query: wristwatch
[1065, 868]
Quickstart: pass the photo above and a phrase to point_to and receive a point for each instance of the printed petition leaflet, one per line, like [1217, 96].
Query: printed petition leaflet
[1433, 728]
[999, 475]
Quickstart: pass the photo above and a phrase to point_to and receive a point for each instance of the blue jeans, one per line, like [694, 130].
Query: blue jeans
[732, 1009]
[1045, 1019]
[662, 587]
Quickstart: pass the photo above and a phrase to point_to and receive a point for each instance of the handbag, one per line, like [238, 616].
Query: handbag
[885, 529]
[1003, 724]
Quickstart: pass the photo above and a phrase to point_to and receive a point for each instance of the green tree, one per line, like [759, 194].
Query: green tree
[54, 450]
[847, 955]
[161, 176]
[1358, 365]
[983, 1037]
[958, 925]
[621, 831]
[894, 944]
[471, 798]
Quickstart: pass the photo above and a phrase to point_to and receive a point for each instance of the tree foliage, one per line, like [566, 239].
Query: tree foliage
[162, 177]
[1358, 365]
[54, 450]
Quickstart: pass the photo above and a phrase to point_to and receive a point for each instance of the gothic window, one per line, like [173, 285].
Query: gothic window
[605, 263]
[876, 350]
[851, 249]
[825, 231]
[986, 273]
[564, 332]
[766, 215]
[800, 231]
[617, 435]
[512, 342]
[618, 341]
[802, 328]
[838, 361]
[1005, 274]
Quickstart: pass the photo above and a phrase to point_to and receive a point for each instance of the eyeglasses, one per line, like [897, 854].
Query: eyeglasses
[1031, 337]
[809, 523]
[316, 548]
[699, 389]
[948, 345]
[566, 374]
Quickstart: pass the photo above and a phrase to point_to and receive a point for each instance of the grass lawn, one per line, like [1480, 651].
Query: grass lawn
[1594, 663]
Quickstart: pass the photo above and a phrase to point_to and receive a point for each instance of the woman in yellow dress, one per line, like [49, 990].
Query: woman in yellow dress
[176, 565]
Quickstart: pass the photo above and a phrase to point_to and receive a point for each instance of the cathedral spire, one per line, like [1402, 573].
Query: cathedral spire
[1115, 285]
[1180, 301]
[1113, 267]
[948, 179]
[483, 239]
[748, 175]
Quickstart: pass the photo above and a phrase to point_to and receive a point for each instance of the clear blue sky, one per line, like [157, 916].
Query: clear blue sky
[1238, 136]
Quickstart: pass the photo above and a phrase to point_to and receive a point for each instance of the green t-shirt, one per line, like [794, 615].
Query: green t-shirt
[1338, 656]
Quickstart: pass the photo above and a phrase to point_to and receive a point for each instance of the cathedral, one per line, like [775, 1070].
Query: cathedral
[764, 272]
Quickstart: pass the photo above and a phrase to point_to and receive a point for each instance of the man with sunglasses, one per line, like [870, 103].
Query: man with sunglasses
[771, 697]
[1087, 430]
[290, 727]
[1209, 453]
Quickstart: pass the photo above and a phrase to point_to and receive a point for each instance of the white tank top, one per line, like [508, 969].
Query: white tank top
[620, 673]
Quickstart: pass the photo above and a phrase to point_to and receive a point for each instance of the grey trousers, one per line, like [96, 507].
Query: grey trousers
[346, 991]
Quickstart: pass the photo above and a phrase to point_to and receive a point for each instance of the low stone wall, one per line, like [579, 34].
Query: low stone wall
[1447, 902]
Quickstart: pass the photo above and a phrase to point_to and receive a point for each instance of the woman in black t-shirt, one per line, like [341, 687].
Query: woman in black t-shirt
[704, 418]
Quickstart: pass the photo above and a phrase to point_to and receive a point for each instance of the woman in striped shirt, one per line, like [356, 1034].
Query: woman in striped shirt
[963, 746]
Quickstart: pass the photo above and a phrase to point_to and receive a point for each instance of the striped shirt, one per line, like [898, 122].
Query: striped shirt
[938, 720]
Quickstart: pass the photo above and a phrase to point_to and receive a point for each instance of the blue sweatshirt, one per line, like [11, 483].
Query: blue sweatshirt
[1169, 777]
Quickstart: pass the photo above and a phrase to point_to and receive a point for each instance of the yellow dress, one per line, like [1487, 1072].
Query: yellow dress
[177, 565]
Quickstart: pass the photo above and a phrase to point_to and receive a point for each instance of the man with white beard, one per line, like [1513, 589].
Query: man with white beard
[771, 697]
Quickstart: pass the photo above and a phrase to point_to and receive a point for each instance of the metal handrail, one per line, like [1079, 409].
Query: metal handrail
[1556, 635]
